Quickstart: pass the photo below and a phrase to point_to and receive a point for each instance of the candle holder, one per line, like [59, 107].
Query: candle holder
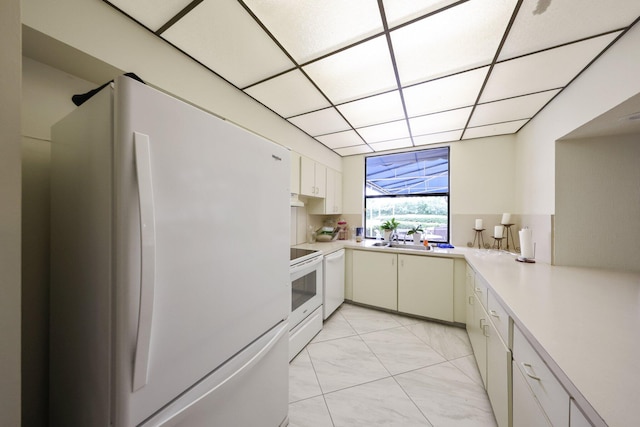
[479, 237]
[508, 232]
[497, 242]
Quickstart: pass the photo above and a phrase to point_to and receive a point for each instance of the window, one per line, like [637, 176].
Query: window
[413, 188]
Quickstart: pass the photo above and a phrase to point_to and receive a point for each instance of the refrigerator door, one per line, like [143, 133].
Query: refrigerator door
[194, 286]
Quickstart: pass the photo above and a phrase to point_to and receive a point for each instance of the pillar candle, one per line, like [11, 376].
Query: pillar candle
[497, 233]
[478, 224]
[506, 218]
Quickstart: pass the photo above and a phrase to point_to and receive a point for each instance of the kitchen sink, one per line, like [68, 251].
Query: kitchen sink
[377, 244]
[412, 246]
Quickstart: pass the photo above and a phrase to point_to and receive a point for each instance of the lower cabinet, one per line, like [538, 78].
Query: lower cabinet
[414, 284]
[375, 279]
[492, 355]
[542, 384]
[526, 409]
[425, 286]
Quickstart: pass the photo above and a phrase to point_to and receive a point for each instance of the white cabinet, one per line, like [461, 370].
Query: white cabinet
[313, 177]
[333, 282]
[576, 417]
[295, 173]
[425, 286]
[546, 388]
[413, 284]
[331, 204]
[526, 409]
[375, 280]
[488, 329]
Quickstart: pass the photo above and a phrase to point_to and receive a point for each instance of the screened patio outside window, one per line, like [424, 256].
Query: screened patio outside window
[411, 187]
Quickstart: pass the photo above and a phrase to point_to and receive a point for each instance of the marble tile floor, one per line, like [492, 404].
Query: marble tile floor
[372, 368]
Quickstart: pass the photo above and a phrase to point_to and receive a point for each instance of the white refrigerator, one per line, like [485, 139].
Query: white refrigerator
[170, 286]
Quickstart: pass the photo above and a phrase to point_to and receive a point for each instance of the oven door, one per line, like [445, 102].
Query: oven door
[306, 289]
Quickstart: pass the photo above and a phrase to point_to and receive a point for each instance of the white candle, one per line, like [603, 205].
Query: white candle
[478, 224]
[497, 233]
[506, 218]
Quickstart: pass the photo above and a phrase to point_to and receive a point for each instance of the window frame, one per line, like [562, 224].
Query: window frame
[428, 195]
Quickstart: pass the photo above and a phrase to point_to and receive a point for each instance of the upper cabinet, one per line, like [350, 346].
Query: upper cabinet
[313, 178]
[332, 202]
[295, 173]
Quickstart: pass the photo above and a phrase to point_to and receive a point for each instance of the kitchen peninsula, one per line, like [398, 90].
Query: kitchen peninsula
[582, 322]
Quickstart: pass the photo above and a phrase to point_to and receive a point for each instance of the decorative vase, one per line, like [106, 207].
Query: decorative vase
[387, 234]
[416, 238]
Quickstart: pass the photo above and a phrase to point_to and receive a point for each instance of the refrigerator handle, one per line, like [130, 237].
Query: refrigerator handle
[147, 258]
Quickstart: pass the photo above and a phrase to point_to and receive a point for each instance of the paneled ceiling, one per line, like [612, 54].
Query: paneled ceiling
[363, 76]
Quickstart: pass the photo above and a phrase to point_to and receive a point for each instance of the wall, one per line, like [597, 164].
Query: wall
[46, 98]
[482, 185]
[612, 79]
[10, 227]
[96, 29]
[598, 202]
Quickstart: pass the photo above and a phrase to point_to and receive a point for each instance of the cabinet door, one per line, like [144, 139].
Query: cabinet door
[498, 375]
[375, 279]
[425, 286]
[295, 173]
[321, 180]
[337, 195]
[526, 410]
[475, 329]
[307, 177]
[576, 417]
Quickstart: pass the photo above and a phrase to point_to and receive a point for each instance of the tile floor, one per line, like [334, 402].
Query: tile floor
[371, 368]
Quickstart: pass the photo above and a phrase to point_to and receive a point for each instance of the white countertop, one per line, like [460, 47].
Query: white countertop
[587, 321]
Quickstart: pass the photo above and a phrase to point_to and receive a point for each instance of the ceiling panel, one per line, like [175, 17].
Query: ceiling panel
[401, 11]
[447, 93]
[457, 39]
[351, 151]
[436, 138]
[385, 131]
[344, 76]
[543, 24]
[440, 122]
[375, 109]
[354, 73]
[153, 14]
[522, 107]
[392, 145]
[545, 70]
[289, 94]
[495, 129]
[320, 122]
[341, 139]
[221, 35]
[310, 29]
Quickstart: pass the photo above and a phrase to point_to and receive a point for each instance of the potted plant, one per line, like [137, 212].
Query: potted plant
[388, 227]
[416, 231]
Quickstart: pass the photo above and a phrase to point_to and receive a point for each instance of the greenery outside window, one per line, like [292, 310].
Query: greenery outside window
[413, 188]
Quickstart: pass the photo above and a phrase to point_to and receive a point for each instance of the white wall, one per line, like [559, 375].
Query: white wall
[598, 202]
[46, 98]
[612, 79]
[10, 226]
[98, 30]
[482, 184]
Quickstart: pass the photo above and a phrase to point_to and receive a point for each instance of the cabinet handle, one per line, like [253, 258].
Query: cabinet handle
[494, 313]
[527, 370]
[470, 299]
[479, 290]
[481, 323]
[393, 261]
[484, 331]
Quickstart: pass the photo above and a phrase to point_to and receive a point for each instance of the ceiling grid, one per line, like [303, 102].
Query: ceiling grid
[374, 75]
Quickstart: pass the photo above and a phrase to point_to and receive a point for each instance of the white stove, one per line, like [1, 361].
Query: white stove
[305, 320]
